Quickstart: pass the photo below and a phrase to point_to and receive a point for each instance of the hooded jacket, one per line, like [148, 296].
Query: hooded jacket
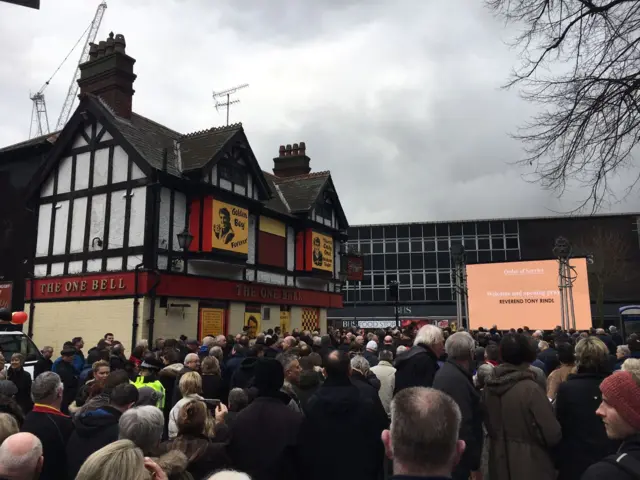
[243, 376]
[93, 430]
[521, 425]
[607, 470]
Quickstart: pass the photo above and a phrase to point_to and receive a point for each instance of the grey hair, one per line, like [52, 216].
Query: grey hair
[46, 388]
[8, 426]
[286, 360]
[190, 357]
[216, 351]
[361, 364]
[400, 349]
[631, 365]
[25, 464]
[429, 335]
[208, 341]
[229, 475]
[317, 341]
[460, 346]
[624, 349]
[424, 428]
[143, 426]
[238, 399]
[143, 343]
[386, 355]
[19, 356]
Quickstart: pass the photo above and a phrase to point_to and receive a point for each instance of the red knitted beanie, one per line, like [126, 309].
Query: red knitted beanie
[623, 394]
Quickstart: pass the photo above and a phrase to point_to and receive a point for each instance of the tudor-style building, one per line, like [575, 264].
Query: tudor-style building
[119, 193]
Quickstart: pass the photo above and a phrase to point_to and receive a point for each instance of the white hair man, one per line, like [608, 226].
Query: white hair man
[21, 457]
[371, 353]
[367, 382]
[418, 366]
[143, 426]
[48, 423]
[423, 439]
[455, 378]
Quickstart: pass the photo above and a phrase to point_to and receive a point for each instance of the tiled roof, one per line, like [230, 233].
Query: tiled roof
[300, 192]
[50, 137]
[198, 148]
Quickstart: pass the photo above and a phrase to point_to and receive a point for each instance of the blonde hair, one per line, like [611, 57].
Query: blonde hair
[210, 366]
[632, 365]
[121, 459]
[190, 384]
[592, 354]
[8, 426]
[99, 364]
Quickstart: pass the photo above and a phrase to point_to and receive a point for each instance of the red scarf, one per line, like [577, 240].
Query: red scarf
[492, 362]
[40, 408]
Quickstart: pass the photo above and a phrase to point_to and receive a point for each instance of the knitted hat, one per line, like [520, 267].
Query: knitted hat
[623, 394]
[269, 376]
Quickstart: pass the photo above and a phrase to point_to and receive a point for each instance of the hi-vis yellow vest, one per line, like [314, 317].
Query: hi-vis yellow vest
[156, 385]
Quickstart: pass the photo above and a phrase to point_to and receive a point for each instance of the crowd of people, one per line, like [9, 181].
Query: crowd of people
[423, 403]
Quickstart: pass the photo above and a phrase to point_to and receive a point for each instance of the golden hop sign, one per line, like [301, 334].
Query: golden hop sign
[322, 252]
[230, 228]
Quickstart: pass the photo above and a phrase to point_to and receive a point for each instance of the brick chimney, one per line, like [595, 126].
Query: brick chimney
[109, 74]
[291, 161]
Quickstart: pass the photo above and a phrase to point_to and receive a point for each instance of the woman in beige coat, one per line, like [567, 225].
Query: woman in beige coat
[519, 418]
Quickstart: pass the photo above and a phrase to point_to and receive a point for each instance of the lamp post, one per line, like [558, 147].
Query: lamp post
[394, 292]
[566, 276]
[184, 241]
[460, 272]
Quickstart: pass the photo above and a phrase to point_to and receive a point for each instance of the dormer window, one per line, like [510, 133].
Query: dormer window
[235, 174]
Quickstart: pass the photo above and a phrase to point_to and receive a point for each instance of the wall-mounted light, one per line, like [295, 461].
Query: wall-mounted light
[184, 239]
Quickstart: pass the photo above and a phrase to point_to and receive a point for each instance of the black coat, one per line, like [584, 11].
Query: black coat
[372, 358]
[584, 439]
[70, 381]
[263, 439]
[415, 368]
[453, 380]
[175, 398]
[339, 418]
[605, 470]
[212, 386]
[54, 429]
[41, 366]
[93, 430]
[22, 380]
[369, 391]
[308, 385]
[608, 341]
[243, 376]
[550, 359]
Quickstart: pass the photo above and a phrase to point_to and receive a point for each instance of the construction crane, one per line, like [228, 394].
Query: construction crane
[39, 115]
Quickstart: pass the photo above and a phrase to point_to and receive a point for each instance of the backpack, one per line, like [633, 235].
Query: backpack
[626, 463]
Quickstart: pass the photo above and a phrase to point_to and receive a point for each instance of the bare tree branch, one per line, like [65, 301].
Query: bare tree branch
[589, 125]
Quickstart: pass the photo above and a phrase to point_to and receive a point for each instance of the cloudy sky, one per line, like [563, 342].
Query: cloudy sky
[400, 99]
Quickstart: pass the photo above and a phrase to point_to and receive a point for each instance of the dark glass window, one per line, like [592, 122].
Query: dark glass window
[366, 262]
[365, 233]
[497, 243]
[431, 261]
[417, 293]
[442, 229]
[444, 277]
[513, 255]
[366, 280]
[443, 245]
[484, 256]
[472, 257]
[499, 256]
[415, 231]
[416, 246]
[512, 243]
[403, 261]
[352, 232]
[366, 296]
[378, 262]
[429, 245]
[497, 227]
[390, 231]
[391, 261]
[417, 279]
[455, 229]
[403, 231]
[483, 244]
[416, 261]
[377, 248]
[405, 279]
[443, 260]
[470, 243]
[429, 230]
[511, 226]
[432, 294]
[469, 228]
[483, 228]
[405, 295]
[445, 293]
[390, 246]
[365, 247]
[391, 277]
[403, 247]
[378, 280]
[379, 295]
[431, 279]
[233, 173]
[376, 232]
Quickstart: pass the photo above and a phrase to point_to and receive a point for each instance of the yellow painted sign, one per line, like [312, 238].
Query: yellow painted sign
[252, 320]
[230, 228]
[322, 252]
[211, 322]
[285, 321]
[274, 227]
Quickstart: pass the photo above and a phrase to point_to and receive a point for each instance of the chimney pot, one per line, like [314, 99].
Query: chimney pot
[294, 150]
[292, 161]
[110, 45]
[281, 151]
[288, 152]
[120, 43]
[102, 46]
[93, 51]
[303, 147]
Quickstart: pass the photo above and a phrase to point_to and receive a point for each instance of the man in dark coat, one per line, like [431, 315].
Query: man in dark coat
[271, 457]
[44, 364]
[361, 378]
[455, 379]
[98, 428]
[69, 377]
[418, 366]
[620, 412]
[49, 424]
[338, 419]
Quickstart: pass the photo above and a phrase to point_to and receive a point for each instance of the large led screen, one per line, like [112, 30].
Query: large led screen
[517, 294]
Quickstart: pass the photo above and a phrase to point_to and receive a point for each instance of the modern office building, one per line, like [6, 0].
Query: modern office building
[418, 256]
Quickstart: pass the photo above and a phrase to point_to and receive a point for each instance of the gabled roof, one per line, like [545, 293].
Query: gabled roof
[49, 137]
[301, 191]
[198, 148]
